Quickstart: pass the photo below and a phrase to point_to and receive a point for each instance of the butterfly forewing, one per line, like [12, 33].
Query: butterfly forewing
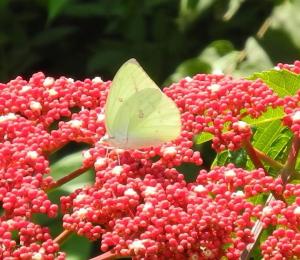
[129, 79]
[137, 113]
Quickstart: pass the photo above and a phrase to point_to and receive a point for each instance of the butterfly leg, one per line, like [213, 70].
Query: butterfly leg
[109, 149]
[118, 157]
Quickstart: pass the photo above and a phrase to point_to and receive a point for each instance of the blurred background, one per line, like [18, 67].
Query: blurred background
[171, 39]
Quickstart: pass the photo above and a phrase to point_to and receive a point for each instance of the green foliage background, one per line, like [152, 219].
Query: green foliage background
[171, 39]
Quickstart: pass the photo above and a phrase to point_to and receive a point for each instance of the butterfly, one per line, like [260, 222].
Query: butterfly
[137, 113]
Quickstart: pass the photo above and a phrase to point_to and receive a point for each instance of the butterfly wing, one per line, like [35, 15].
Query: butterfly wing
[129, 80]
[156, 121]
[138, 114]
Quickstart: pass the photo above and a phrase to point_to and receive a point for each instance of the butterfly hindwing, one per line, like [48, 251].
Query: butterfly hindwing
[156, 121]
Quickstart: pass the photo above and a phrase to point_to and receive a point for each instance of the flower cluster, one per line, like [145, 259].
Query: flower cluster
[217, 104]
[291, 103]
[282, 244]
[140, 204]
[35, 241]
[28, 113]
[160, 215]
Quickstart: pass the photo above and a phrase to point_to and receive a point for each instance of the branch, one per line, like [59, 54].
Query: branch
[62, 236]
[286, 173]
[253, 155]
[274, 164]
[109, 256]
[256, 231]
[288, 170]
[67, 178]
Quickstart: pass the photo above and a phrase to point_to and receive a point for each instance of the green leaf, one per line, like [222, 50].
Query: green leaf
[77, 247]
[98, 61]
[258, 199]
[215, 50]
[55, 7]
[52, 35]
[233, 7]
[226, 64]
[221, 57]
[280, 145]
[266, 134]
[188, 68]
[87, 9]
[203, 138]
[238, 158]
[265, 233]
[272, 138]
[256, 59]
[268, 117]
[68, 164]
[285, 17]
[216, 57]
[272, 114]
[190, 10]
[282, 82]
[4, 3]
[291, 199]
[297, 167]
[190, 171]
[221, 159]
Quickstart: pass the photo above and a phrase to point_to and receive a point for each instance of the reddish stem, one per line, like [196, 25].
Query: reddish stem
[62, 236]
[108, 255]
[289, 168]
[286, 172]
[274, 164]
[68, 178]
[256, 231]
[252, 154]
[258, 164]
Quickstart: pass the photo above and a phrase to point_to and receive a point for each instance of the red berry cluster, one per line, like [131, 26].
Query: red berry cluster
[217, 104]
[291, 67]
[139, 204]
[150, 212]
[284, 243]
[27, 111]
[22, 167]
[292, 103]
[45, 100]
[35, 241]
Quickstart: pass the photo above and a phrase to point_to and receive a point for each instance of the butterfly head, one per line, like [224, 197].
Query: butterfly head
[109, 141]
[105, 139]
